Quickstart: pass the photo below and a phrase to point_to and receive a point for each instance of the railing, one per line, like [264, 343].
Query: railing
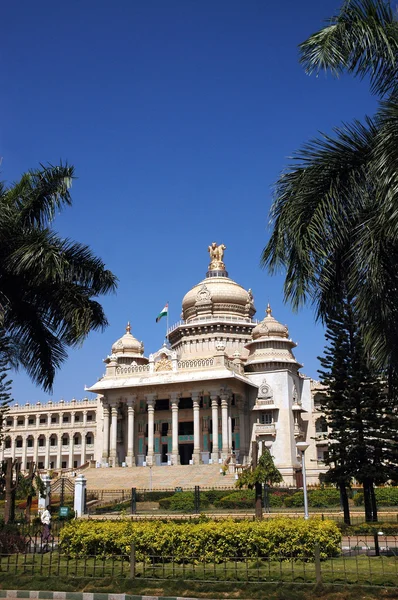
[132, 369]
[195, 363]
[265, 429]
[69, 404]
[212, 319]
[358, 563]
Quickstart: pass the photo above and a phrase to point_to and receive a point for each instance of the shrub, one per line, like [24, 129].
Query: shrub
[294, 501]
[209, 541]
[369, 528]
[11, 543]
[215, 495]
[387, 496]
[324, 498]
[182, 502]
[237, 500]
[358, 499]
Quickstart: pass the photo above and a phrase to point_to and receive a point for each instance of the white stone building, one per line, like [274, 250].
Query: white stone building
[223, 381]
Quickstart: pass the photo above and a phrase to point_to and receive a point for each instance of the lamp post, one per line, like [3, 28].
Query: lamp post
[302, 446]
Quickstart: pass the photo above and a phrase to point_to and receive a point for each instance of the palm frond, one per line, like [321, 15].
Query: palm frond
[362, 39]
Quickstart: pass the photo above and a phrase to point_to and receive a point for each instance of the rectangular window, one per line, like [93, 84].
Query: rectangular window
[31, 421]
[9, 423]
[65, 419]
[30, 443]
[53, 419]
[43, 420]
[63, 464]
[75, 464]
[267, 418]
[41, 442]
[77, 418]
[53, 442]
[20, 422]
[65, 442]
[89, 417]
[41, 465]
[19, 443]
[89, 439]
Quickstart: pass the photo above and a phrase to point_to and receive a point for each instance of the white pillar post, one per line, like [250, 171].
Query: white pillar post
[83, 449]
[24, 452]
[36, 448]
[214, 420]
[44, 501]
[13, 447]
[224, 425]
[230, 431]
[59, 450]
[150, 400]
[113, 440]
[80, 492]
[47, 454]
[71, 449]
[105, 442]
[242, 431]
[196, 427]
[174, 400]
[130, 459]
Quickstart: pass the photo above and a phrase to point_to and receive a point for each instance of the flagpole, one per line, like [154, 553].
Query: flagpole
[167, 321]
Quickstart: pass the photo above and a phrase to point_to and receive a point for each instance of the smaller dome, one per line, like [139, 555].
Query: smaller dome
[270, 327]
[128, 345]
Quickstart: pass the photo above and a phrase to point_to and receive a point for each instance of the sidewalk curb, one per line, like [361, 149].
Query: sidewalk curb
[46, 595]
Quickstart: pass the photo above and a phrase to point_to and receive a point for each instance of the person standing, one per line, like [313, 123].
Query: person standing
[46, 522]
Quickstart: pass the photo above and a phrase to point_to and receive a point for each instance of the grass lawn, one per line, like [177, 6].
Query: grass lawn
[363, 570]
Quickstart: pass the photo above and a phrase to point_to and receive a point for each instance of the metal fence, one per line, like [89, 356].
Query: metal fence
[360, 561]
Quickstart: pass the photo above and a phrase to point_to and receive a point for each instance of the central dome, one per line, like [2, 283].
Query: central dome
[217, 295]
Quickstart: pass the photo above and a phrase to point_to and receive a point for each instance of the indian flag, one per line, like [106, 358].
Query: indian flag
[163, 313]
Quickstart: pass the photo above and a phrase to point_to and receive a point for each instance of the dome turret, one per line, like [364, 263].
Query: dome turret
[270, 327]
[128, 346]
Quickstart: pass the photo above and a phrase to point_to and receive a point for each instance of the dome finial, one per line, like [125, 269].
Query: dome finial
[128, 328]
[216, 257]
[269, 310]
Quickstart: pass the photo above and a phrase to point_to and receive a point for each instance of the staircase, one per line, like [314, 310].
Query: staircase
[159, 478]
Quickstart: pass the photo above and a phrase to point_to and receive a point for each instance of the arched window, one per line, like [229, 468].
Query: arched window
[321, 425]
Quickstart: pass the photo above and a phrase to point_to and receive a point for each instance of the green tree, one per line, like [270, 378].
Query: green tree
[334, 211]
[359, 412]
[48, 285]
[260, 473]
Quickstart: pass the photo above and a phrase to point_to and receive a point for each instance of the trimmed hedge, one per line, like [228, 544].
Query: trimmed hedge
[209, 541]
[385, 496]
[182, 502]
[316, 499]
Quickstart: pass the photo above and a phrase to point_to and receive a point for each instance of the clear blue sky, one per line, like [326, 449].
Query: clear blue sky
[179, 116]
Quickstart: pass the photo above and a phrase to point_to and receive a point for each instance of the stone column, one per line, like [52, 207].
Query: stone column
[24, 451]
[36, 448]
[79, 498]
[71, 450]
[242, 431]
[113, 440]
[72, 418]
[196, 427]
[230, 432]
[105, 442]
[13, 447]
[174, 400]
[83, 449]
[130, 458]
[26, 421]
[59, 450]
[214, 419]
[84, 418]
[47, 454]
[150, 400]
[224, 425]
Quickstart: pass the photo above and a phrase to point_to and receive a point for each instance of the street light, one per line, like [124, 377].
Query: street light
[302, 446]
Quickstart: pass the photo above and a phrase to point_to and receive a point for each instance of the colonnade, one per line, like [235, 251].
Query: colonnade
[218, 400]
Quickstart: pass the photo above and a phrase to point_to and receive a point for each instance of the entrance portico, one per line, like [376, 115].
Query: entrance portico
[170, 427]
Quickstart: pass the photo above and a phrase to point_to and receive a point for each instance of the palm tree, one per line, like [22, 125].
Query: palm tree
[335, 217]
[48, 285]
